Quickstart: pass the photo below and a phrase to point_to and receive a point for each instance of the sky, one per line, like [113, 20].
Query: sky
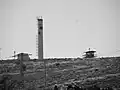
[70, 27]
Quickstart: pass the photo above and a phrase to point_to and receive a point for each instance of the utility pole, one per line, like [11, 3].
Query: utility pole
[45, 73]
[21, 64]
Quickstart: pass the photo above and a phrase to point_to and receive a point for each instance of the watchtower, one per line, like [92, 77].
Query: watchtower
[40, 38]
[89, 54]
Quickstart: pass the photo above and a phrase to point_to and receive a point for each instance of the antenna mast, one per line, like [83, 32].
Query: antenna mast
[0, 53]
[14, 54]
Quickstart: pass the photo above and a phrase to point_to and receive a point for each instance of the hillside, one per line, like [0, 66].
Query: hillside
[84, 72]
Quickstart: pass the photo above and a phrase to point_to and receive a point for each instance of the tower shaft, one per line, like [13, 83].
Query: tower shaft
[40, 39]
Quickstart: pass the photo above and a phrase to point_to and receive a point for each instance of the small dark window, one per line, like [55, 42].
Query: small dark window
[38, 32]
[41, 27]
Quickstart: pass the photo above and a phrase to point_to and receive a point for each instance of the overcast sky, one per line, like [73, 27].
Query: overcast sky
[70, 27]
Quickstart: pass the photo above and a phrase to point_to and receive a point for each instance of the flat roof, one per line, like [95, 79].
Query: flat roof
[90, 51]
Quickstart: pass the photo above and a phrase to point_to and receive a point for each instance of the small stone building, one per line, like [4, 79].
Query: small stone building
[25, 56]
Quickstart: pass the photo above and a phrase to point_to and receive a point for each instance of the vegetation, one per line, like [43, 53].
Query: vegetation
[84, 72]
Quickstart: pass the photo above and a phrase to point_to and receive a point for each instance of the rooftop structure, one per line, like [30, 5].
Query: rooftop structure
[89, 54]
[25, 56]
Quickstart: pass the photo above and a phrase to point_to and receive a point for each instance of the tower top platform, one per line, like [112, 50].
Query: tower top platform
[39, 18]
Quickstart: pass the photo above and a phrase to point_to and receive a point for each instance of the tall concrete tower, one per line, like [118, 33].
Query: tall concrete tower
[40, 38]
